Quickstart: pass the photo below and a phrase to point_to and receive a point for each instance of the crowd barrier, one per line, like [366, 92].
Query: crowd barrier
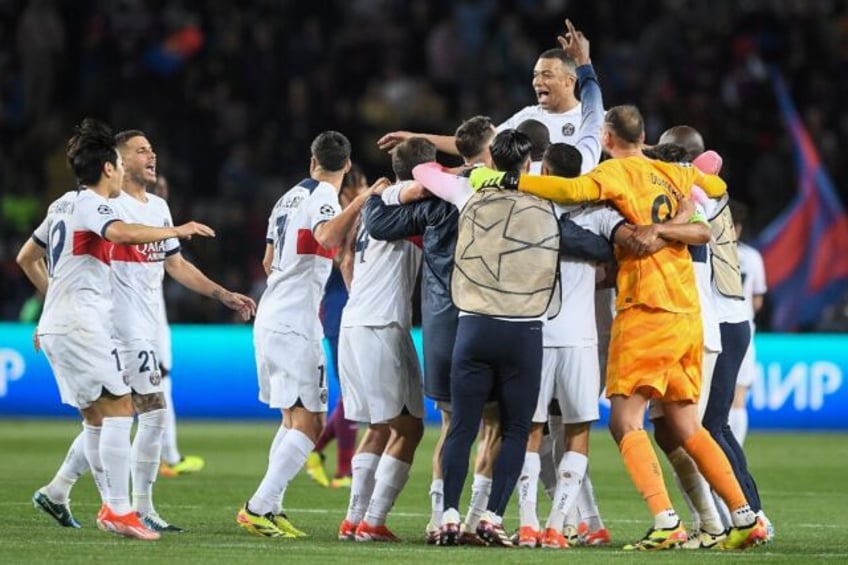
[800, 382]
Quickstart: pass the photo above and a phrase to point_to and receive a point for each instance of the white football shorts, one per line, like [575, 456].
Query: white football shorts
[84, 362]
[572, 375]
[291, 368]
[379, 373]
[140, 363]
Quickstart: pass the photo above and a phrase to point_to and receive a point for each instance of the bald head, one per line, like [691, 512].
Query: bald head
[686, 137]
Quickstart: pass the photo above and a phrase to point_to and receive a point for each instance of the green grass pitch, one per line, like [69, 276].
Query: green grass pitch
[801, 478]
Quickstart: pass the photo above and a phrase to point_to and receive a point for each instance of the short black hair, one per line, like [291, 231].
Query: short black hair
[411, 153]
[560, 54]
[473, 135]
[331, 149]
[563, 160]
[510, 149]
[123, 136]
[539, 136]
[91, 146]
[668, 152]
[626, 122]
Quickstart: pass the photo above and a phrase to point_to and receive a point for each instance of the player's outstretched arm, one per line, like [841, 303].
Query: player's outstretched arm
[444, 143]
[332, 233]
[31, 261]
[185, 273]
[561, 189]
[123, 233]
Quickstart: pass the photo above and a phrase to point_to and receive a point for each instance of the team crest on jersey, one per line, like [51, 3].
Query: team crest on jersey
[105, 210]
[568, 129]
[327, 210]
[155, 378]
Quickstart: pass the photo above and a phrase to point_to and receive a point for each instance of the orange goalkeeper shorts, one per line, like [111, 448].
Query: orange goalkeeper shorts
[657, 351]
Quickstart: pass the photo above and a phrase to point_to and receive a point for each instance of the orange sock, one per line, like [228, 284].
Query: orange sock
[645, 471]
[713, 464]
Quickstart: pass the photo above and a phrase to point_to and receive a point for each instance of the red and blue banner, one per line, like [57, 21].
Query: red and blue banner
[805, 249]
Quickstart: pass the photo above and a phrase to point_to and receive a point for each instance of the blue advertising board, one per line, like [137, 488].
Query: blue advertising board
[800, 382]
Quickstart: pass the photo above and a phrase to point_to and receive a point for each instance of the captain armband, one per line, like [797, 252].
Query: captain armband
[699, 217]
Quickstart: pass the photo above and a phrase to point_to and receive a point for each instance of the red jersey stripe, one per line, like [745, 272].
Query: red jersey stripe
[307, 245]
[89, 243]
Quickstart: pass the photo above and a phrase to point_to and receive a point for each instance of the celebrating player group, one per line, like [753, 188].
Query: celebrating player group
[550, 277]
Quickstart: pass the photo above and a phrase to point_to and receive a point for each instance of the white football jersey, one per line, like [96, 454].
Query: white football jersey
[138, 270]
[753, 274]
[562, 127]
[301, 267]
[79, 293]
[575, 325]
[384, 274]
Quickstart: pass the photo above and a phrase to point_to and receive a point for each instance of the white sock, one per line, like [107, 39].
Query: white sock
[286, 462]
[278, 438]
[743, 517]
[115, 452]
[527, 487]
[738, 421]
[723, 511]
[480, 490]
[363, 466]
[697, 490]
[170, 452]
[587, 506]
[275, 444]
[693, 510]
[571, 469]
[437, 501]
[390, 478]
[92, 455]
[146, 453]
[74, 465]
[572, 517]
[666, 519]
[548, 469]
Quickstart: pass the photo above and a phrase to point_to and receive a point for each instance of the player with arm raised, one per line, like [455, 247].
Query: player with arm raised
[657, 341]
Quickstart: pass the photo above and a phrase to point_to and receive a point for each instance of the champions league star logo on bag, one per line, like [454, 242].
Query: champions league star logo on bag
[568, 129]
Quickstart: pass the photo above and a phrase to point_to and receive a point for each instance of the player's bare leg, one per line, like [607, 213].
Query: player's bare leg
[437, 485]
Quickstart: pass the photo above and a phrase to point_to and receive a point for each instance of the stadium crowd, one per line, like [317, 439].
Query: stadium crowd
[234, 92]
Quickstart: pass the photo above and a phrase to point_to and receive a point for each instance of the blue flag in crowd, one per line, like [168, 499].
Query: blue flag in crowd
[805, 249]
